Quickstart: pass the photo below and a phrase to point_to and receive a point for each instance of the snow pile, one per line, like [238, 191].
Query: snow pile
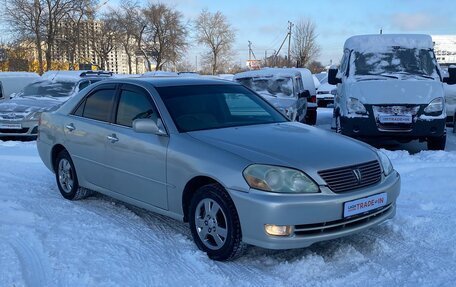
[46, 240]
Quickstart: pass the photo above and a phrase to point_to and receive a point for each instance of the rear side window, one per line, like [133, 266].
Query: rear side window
[132, 106]
[97, 106]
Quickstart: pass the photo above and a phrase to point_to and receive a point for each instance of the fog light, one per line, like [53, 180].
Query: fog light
[277, 230]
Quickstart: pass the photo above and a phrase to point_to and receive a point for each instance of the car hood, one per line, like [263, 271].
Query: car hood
[24, 105]
[392, 91]
[289, 144]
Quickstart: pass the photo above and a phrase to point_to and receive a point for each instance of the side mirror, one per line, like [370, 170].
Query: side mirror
[451, 79]
[304, 94]
[148, 126]
[332, 77]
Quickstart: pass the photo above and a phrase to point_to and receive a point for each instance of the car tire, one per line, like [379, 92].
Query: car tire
[454, 123]
[67, 179]
[338, 124]
[311, 118]
[436, 143]
[217, 234]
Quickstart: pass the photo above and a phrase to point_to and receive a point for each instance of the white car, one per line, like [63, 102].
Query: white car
[282, 87]
[13, 82]
[325, 91]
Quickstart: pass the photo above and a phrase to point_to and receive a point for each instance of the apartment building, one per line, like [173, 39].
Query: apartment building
[445, 49]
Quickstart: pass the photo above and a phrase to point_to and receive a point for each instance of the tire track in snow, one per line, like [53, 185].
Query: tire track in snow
[35, 271]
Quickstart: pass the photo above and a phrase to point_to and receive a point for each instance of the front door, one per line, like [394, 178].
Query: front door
[137, 161]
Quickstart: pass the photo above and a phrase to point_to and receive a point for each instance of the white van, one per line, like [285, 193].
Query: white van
[308, 82]
[14, 82]
[390, 87]
[282, 87]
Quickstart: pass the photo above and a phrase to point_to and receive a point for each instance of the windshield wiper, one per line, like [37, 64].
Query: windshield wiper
[419, 75]
[379, 75]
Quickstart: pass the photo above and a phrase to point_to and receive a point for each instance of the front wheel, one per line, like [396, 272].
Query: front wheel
[436, 143]
[214, 223]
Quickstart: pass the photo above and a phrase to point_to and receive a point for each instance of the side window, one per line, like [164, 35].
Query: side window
[132, 106]
[1, 90]
[97, 106]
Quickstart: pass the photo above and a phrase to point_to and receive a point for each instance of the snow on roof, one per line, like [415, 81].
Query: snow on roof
[380, 42]
[159, 74]
[269, 72]
[18, 74]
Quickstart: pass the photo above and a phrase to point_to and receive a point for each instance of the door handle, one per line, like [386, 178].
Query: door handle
[113, 138]
[70, 127]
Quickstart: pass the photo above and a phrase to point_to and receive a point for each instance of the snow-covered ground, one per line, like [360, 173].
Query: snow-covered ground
[46, 240]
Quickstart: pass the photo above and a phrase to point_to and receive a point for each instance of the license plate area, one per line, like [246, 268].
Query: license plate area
[365, 204]
[395, 119]
[11, 126]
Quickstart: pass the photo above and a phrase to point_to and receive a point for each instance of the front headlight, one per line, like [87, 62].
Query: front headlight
[34, 116]
[436, 106]
[386, 163]
[278, 179]
[355, 106]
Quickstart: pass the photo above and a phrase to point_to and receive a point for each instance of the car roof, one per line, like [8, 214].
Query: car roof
[380, 41]
[269, 72]
[174, 81]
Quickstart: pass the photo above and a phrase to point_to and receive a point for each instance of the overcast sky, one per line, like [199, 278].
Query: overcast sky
[264, 22]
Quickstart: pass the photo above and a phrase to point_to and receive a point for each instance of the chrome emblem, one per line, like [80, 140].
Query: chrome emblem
[358, 175]
[12, 115]
[396, 110]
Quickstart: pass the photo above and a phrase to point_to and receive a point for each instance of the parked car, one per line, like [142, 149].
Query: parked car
[450, 98]
[281, 87]
[13, 82]
[308, 83]
[390, 87]
[325, 92]
[19, 115]
[215, 154]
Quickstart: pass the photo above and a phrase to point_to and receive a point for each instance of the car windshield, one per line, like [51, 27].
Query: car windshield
[48, 88]
[272, 86]
[202, 107]
[395, 61]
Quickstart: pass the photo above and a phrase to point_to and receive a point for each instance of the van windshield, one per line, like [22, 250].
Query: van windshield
[396, 62]
[270, 86]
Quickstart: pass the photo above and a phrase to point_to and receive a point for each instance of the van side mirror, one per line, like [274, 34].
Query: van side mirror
[148, 126]
[304, 94]
[332, 77]
[451, 79]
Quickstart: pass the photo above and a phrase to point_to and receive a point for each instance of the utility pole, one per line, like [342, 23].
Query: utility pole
[250, 50]
[381, 31]
[290, 26]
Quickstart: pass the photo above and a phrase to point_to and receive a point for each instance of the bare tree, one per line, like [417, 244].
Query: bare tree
[305, 47]
[163, 38]
[27, 20]
[214, 31]
[128, 22]
[106, 38]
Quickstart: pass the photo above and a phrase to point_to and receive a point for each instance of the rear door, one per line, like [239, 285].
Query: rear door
[137, 161]
[86, 132]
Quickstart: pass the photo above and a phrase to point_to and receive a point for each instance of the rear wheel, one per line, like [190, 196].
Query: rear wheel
[67, 179]
[436, 143]
[214, 223]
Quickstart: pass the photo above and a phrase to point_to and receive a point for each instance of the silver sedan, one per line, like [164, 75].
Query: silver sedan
[216, 155]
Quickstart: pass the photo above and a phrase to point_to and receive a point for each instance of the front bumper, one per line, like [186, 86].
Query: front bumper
[366, 127]
[27, 129]
[257, 208]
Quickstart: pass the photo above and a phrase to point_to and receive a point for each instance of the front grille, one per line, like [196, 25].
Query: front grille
[14, 131]
[394, 127]
[339, 225]
[352, 177]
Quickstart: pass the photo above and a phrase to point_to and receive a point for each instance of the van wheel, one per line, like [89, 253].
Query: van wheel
[338, 125]
[311, 118]
[67, 179]
[214, 223]
[436, 143]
